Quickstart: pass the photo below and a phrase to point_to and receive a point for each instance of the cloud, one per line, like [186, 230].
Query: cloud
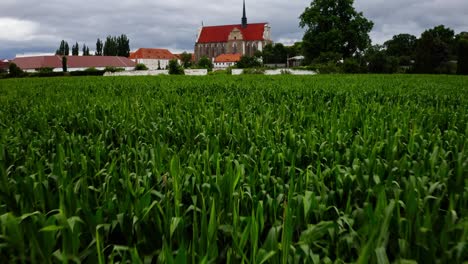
[12, 29]
[32, 27]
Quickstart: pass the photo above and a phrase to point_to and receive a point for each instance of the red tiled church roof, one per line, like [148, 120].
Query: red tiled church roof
[144, 53]
[221, 33]
[228, 58]
[29, 63]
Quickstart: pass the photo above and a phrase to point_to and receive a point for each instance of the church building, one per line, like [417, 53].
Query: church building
[243, 39]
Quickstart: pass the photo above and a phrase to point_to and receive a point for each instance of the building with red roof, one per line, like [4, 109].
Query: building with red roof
[4, 66]
[154, 59]
[226, 60]
[243, 38]
[74, 63]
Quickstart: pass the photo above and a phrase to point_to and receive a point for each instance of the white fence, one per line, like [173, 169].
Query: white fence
[138, 73]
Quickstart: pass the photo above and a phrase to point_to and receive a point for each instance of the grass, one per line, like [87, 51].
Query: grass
[224, 169]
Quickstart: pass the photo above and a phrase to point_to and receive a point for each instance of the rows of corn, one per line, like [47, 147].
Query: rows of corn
[248, 169]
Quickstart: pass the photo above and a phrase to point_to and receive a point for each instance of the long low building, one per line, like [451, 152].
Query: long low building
[74, 63]
[154, 59]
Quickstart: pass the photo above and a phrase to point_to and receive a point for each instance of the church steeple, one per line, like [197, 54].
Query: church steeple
[244, 18]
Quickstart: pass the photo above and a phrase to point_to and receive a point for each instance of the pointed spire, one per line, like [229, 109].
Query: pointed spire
[244, 18]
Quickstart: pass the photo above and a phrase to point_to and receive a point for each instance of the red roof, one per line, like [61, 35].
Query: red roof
[3, 65]
[144, 53]
[29, 63]
[228, 58]
[221, 33]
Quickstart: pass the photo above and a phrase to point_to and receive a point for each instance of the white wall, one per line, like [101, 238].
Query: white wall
[152, 64]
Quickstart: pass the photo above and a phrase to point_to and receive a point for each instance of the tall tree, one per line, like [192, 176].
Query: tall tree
[75, 49]
[85, 50]
[401, 45]
[433, 50]
[462, 55]
[186, 59]
[63, 49]
[123, 46]
[334, 26]
[99, 47]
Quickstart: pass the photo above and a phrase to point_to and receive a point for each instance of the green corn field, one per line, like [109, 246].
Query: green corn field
[234, 169]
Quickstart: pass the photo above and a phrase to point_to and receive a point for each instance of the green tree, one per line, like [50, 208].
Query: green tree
[14, 70]
[205, 63]
[85, 50]
[433, 50]
[186, 59]
[175, 68]
[248, 62]
[402, 45]
[334, 26]
[64, 64]
[463, 56]
[141, 67]
[75, 49]
[379, 61]
[117, 46]
[99, 47]
[63, 49]
[123, 46]
[110, 46]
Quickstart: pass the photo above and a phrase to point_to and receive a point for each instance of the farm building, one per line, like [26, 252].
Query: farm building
[243, 38]
[3, 65]
[226, 60]
[154, 59]
[74, 63]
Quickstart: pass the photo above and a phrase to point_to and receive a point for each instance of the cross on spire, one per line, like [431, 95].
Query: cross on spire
[244, 18]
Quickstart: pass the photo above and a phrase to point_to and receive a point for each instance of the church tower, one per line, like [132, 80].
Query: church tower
[244, 18]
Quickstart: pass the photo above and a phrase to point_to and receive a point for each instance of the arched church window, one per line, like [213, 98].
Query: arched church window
[234, 48]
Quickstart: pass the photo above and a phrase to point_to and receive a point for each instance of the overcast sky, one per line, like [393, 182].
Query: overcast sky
[32, 26]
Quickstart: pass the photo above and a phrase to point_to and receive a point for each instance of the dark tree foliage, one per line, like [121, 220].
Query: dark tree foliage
[14, 70]
[99, 47]
[186, 59]
[75, 49]
[462, 56]
[117, 46]
[334, 26]
[401, 45]
[85, 50]
[248, 62]
[205, 63]
[64, 64]
[64, 49]
[433, 50]
[379, 61]
[175, 68]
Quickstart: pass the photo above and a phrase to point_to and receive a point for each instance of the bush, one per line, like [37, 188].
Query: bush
[351, 66]
[205, 63]
[175, 68]
[248, 62]
[47, 74]
[15, 71]
[88, 72]
[141, 67]
[45, 70]
[253, 71]
[327, 68]
[113, 69]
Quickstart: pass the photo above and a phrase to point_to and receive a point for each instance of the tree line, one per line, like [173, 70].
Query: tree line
[112, 46]
[337, 40]
[337, 35]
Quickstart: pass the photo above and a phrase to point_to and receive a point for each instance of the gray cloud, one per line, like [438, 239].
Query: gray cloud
[28, 26]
